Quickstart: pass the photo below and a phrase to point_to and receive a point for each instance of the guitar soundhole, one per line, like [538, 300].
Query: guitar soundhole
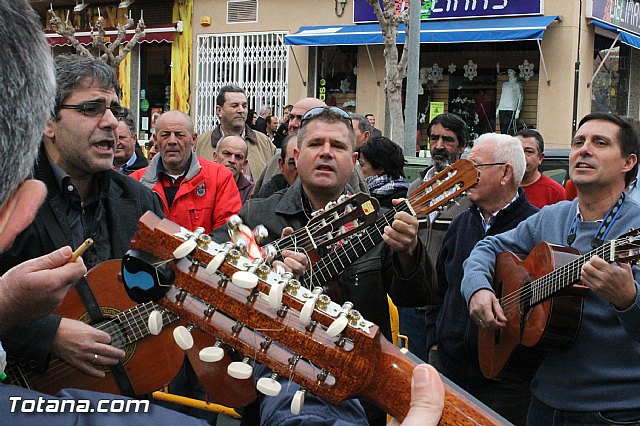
[116, 330]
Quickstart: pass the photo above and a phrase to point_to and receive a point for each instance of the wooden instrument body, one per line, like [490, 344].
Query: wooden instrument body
[150, 361]
[550, 325]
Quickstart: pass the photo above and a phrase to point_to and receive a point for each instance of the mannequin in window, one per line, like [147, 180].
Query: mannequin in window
[508, 110]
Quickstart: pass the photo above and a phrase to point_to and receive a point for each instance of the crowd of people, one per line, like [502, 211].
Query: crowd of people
[73, 169]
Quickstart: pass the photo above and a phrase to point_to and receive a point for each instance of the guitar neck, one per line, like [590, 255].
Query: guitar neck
[563, 277]
[334, 263]
[394, 372]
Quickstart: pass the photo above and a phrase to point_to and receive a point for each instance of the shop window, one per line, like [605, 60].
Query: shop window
[337, 76]
[475, 100]
[155, 84]
[610, 86]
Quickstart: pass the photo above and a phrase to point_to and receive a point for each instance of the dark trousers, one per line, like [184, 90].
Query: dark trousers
[542, 415]
[507, 122]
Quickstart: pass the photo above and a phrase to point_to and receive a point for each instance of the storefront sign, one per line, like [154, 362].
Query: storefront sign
[322, 90]
[623, 14]
[448, 9]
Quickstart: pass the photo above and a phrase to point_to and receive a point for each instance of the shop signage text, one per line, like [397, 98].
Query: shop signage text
[623, 14]
[447, 9]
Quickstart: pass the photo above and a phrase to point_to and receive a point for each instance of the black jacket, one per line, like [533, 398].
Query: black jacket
[123, 201]
[366, 282]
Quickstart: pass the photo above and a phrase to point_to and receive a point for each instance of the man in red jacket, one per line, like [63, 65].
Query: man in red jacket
[194, 192]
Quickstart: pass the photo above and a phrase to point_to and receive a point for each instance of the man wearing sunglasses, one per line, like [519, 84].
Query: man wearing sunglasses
[325, 159]
[86, 198]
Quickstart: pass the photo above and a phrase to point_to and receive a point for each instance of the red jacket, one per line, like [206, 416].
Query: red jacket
[207, 196]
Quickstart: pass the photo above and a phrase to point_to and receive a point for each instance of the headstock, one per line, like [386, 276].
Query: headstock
[626, 249]
[338, 220]
[443, 187]
[264, 324]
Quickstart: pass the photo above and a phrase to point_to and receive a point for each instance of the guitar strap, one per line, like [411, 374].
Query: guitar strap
[94, 312]
[86, 295]
[603, 230]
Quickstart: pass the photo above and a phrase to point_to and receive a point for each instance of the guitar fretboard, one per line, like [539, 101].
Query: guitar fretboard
[350, 250]
[546, 286]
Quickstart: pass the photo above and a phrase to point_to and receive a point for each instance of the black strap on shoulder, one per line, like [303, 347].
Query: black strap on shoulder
[86, 295]
[93, 309]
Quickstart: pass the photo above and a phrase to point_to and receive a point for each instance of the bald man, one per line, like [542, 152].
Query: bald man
[232, 152]
[194, 192]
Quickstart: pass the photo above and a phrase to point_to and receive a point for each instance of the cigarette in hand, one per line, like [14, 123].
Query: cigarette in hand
[83, 247]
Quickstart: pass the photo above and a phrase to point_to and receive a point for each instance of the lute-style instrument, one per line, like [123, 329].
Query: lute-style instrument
[126, 322]
[328, 349]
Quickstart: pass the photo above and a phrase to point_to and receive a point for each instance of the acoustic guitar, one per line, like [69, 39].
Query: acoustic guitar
[150, 361]
[329, 349]
[542, 300]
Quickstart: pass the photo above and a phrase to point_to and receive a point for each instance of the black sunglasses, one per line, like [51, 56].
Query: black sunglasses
[329, 111]
[97, 109]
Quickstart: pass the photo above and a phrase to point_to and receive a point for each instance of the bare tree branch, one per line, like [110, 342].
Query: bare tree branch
[107, 50]
[67, 31]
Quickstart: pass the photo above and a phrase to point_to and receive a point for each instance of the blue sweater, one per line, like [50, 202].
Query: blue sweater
[601, 371]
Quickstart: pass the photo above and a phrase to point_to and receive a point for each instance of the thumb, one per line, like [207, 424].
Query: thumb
[56, 258]
[427, 397]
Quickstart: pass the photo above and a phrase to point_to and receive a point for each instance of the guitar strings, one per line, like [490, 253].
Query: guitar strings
[511, 302]
[58, 369]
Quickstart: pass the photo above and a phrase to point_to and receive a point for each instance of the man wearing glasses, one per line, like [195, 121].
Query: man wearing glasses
[498, 205]
[232, 153]
[325, 160]
[85, 198]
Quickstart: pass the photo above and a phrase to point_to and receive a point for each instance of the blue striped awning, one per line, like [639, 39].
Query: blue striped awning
[625, 37]
[446, 31]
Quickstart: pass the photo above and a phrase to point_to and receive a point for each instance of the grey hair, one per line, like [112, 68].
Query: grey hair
[363, 123]
[508, 150]
[28, 86]
[75, 72]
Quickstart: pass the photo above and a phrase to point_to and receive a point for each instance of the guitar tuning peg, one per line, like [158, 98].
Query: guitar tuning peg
[269, 253]
[298, 401]
[154, 322]
[182, 336]
[240, 370]
[269, 385]
[234, 222]
[212, 353]
[279, 269]
[185, 248]
[260, 233]
[245, 279]
[309, 306]
[339, 324]
[218, 259]
[275, 295]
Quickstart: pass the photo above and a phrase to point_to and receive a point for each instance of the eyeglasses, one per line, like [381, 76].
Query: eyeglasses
[97, 109]
[489, 164]
[328, 110]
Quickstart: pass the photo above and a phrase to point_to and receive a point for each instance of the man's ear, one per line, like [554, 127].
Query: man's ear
[19, 211]
[50, 129]
[507, 175]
